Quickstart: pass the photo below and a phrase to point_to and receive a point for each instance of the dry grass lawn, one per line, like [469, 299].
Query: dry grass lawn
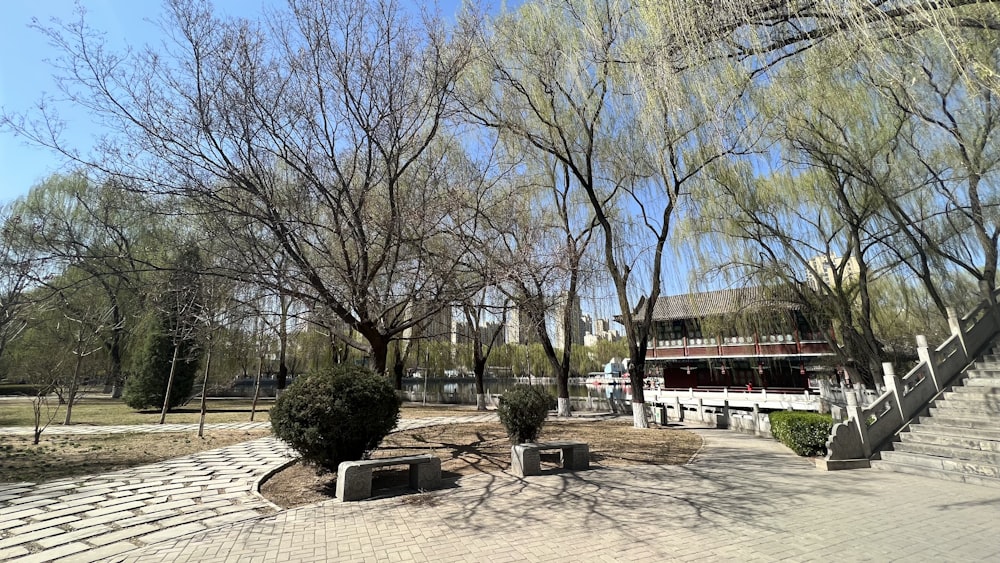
[469, 449]
[100, 411]
[58, 456]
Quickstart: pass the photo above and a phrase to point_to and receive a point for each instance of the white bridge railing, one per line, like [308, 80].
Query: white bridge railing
[852, 443]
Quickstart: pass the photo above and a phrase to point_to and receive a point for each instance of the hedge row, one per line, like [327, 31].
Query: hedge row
[805, 433]
[8, 389]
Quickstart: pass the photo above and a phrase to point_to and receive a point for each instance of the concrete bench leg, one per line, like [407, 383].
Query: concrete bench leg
[525, 461]
[576, 457]
[353, 482]
[426, 476]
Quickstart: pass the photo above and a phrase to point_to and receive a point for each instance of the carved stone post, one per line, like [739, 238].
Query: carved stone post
[854, 414]
[927, 358]
[956, 330]
[824, 395]
[894, 386]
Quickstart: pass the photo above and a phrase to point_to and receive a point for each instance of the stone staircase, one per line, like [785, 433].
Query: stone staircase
[959, 439]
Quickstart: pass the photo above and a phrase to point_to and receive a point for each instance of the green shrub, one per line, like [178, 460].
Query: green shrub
[805, 433]
[522, 412]
[336, 415]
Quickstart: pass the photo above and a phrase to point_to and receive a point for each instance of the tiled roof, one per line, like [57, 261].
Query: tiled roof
[721, 302]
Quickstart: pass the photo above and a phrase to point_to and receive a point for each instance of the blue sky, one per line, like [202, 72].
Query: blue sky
[25, 77]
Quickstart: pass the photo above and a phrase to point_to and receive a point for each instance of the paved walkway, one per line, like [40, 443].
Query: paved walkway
[92, 518]
[742, 499]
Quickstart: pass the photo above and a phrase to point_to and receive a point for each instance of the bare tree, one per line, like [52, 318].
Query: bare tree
[318, 132]
[90, 322]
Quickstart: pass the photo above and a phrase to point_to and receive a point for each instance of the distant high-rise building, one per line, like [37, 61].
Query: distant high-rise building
[518, 329]
[825, 267]
[435, 326]
[575, 334]
[462, 333]
[602, 331]
[586, 327]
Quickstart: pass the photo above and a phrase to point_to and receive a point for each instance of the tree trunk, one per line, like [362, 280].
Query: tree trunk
[37, 433]
[283, 344]
[398, 367]
[479, 370]
[282, 372]
[170, 382]
[635, 373]
[115, 351]
[72, 389]
[562, 399]
[204, 389]
[256, 388]
[380, 356]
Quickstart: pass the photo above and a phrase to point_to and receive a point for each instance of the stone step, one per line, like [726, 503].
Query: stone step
[938, 427]
[975, 390]
[952, 452]
[988, 369]
[963, 410]
[971, 396]
[978, 381]
[980, 469]
[882, 465]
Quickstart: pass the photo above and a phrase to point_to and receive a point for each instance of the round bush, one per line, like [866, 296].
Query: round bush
[522, 412]
[336, 415]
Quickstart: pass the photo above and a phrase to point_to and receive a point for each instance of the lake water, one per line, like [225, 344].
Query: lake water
[463, 391]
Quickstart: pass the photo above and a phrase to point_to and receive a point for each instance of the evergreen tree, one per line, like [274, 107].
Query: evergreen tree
[168, 364]
[146, 388]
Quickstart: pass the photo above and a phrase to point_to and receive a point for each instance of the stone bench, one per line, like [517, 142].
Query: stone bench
[525, 459]
[354, 478]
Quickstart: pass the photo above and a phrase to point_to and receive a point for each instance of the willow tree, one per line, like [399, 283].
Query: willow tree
[17, 272]
[945, 88]
[567, 79]
[85, 233]
[315, 132]
[883, 175]
[547, 259]
[812, 225]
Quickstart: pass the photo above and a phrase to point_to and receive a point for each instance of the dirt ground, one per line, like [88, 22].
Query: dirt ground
[468, 449]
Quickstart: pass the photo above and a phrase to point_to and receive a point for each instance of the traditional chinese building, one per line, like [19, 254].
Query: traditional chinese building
[733, 337]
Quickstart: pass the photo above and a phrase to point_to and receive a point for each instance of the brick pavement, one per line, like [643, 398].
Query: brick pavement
[92, 518]
[743, 498]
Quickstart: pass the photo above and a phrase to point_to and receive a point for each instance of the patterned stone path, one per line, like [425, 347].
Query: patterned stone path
[96, 517]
